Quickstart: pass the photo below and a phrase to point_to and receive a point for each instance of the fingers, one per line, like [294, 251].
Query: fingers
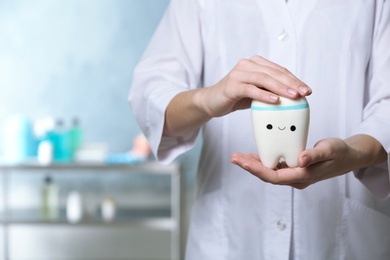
[309, 157]
[271, 80]
[262, 61]
[284, 176]
[251, 163]
[283, 74]
[298, 178]
[328, 158]
[265, 74]
[320, 153]
[253, 92]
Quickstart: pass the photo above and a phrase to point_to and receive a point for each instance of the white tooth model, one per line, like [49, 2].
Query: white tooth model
[280, 130]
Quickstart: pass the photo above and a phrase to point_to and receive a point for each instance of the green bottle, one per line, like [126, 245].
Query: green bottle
[49, 199]
[75, 137]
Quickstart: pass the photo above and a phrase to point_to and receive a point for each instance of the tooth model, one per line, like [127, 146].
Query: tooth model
[280, 130]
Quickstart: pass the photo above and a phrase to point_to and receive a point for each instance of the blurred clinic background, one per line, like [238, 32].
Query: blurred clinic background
[77, 178]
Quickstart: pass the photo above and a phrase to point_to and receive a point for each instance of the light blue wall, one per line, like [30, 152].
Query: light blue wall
[67, 58]
[75, 58]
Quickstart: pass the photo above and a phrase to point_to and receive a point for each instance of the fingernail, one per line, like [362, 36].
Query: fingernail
[292, 92]
[273, 98]
[304, 90]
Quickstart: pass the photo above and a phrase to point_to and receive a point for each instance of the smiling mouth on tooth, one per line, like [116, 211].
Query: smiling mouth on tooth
[281, 128]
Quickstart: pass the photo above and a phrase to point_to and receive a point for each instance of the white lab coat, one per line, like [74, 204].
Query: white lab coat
[340, 48]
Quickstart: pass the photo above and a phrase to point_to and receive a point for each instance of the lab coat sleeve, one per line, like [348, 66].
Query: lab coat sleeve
[171, 63]
[376, 116]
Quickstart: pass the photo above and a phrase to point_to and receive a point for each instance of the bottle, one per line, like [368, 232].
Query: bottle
[49, 199]
[108, 208]
[75, 137]
[44, 148]
[74, 207]
[61, 142]
[45, 152]
[18, 139]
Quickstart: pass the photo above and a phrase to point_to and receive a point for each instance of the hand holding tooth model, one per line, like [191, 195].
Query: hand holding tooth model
[280, 130]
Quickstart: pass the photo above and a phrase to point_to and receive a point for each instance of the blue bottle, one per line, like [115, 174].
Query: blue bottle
[18, 139]
[61, 143]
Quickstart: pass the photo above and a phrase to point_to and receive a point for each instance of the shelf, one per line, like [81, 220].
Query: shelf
[146, 167]
[161, 220]
[149, 223]
[141, 217]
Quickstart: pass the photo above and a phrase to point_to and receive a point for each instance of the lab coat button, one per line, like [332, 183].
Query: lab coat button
[281, 225]
[283, 36]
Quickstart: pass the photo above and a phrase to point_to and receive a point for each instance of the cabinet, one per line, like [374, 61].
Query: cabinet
[136, 233]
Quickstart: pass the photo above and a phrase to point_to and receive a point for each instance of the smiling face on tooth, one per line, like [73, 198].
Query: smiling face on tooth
[292, 128]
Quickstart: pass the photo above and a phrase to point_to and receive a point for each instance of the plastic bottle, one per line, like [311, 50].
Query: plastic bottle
[18, 139]
[75, 137]
[61, 143]
[45, 152]
[49, 199]
[43, 144]
[108, 208]
[74, 207]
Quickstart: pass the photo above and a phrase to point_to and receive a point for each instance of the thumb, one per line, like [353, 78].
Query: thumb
[314, 155]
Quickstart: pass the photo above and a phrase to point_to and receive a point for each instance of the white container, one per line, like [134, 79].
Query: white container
[280, 130]
[74, 207]
[108, 208]
[45, 152]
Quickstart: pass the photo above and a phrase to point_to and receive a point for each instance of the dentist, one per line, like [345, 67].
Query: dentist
[205, 63]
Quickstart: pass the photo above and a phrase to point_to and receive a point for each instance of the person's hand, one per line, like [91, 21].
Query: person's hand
[329, 158]
[255, 78]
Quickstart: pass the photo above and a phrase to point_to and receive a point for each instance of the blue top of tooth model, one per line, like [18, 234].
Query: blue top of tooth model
[279, 108]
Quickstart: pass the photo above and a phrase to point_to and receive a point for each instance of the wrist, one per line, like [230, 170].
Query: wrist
[206, 102]
[199, 99]
[366, 150]
[185, 114]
